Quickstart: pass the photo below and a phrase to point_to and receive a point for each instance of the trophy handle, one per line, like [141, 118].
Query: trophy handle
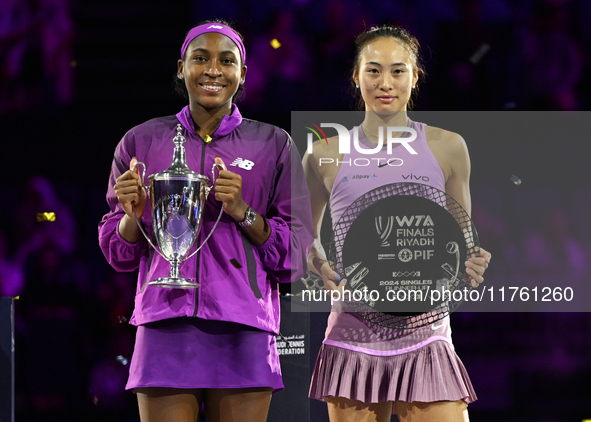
[137, 163]
[220, 167]
[137, 220]
[139, 224]
[208, 236]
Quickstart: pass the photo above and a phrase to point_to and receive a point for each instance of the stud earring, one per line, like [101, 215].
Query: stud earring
[357, 86]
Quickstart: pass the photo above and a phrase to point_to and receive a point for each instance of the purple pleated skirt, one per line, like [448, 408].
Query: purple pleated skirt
[431, 373]
[198, 353]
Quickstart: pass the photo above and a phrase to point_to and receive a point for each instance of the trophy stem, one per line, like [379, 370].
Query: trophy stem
[174, 280]
[175, 269]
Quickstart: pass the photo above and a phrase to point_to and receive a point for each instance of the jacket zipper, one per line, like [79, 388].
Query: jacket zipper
[199, 252]
[199, 238]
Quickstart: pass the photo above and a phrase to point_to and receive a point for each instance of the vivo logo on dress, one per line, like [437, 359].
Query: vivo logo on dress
[415, 177]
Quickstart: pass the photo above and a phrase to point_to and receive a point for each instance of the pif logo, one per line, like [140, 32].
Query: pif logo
[345, 138]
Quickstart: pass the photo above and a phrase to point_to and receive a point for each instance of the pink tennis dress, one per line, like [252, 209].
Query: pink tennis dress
[363, 361]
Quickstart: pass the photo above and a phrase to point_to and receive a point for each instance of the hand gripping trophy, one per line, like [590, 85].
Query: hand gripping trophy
[177, 196]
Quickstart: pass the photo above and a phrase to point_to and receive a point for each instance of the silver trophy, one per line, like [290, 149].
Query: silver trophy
[177, 196]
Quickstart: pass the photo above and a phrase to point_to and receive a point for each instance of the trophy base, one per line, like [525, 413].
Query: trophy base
[174, 283]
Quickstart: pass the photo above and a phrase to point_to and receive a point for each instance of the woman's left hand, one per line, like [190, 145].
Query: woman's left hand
[476, 266]
[228, 189]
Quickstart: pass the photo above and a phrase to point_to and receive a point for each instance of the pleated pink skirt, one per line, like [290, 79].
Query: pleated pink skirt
[429, 374]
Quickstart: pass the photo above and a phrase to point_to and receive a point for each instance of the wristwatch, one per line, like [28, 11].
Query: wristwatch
[249, 218]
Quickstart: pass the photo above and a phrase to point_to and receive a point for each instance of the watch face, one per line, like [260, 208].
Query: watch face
[249, 218]
[251, 215]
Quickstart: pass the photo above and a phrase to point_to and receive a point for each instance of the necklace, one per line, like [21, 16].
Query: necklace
[365, 128]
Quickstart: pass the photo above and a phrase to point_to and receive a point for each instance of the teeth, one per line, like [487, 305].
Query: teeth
[214, 87]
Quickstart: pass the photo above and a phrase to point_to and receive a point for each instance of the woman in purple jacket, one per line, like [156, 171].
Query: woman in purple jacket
[216, 344]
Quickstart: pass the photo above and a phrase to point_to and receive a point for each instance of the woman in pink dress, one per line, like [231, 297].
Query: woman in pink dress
[363, 371]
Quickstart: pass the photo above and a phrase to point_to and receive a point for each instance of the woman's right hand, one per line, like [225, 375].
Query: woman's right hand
[332, 281]
[129, 189]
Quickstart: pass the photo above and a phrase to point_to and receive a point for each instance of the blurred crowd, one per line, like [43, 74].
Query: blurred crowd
[71, 315]
[479, 54]
[36, 55]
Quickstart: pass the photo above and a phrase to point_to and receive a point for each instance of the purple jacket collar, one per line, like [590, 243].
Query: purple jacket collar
[228, 124]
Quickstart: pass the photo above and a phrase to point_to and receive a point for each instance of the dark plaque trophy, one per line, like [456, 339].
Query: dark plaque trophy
[177, 196]
[402, 248]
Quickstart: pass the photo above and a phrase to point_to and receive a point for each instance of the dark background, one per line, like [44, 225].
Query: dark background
[76, 75]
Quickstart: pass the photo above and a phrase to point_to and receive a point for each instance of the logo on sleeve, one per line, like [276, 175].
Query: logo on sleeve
[242, 163]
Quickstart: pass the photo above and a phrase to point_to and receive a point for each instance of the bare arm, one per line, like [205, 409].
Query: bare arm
[318, 201]
[319, 197]
[457, 185]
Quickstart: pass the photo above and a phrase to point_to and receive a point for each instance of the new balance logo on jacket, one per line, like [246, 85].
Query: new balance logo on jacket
[242, 163]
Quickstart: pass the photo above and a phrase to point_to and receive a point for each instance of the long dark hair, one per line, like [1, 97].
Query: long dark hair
[410, 43]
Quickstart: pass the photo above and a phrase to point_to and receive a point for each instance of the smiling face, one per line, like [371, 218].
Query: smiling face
[212, 70]
[385, 75]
